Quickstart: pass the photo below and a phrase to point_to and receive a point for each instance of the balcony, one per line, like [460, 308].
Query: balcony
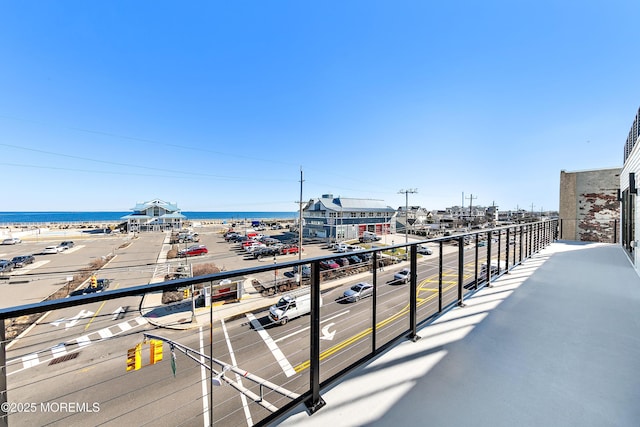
[551, 340]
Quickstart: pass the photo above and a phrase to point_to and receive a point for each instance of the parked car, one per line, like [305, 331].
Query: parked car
[482, 243]
[5, 266]
[342, 262]
[246, 243]
[237, 238]
[193, 251]
[184, 236]
[11, 241]
[22, 260]
[289, 249]
[268, 251]
[424, 250]
[329, 265]
[51, 250]
[253, 246]
[402, 275]
[230, 235]
[354, 259]
[67, 244]
[358, 291]
[306, 270]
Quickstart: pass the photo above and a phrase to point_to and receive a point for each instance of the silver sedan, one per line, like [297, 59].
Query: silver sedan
[357, 291]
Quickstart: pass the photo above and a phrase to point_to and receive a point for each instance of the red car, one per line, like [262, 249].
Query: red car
[289, 250]
[193, 251]
[329, 265]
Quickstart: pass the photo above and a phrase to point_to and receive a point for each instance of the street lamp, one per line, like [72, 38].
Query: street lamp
[406, 211]
[275, 272]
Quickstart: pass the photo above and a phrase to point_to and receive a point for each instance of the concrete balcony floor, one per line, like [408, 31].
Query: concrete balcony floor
[556, 342]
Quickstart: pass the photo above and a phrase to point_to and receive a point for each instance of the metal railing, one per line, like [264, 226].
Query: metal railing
[90, 369]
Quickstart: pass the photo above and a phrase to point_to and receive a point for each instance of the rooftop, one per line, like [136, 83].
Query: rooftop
[555, 342]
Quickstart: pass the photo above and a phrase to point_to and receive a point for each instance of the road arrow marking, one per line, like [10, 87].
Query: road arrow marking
[326, 335]
[116, 313]
[57, 322]
[75, 319]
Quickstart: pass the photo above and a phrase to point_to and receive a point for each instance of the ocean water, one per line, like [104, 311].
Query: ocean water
[64, 217]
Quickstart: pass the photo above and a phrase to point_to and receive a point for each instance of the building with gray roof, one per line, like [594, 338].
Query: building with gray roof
[341, 218]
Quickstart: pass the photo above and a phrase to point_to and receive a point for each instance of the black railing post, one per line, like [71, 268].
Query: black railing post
[488, 269]
[548, 232]
[561, 221]
[515, 237]
[499, 249]
[413, 297]
[440, 279]
[475, 283]
[374, 297]
[520, 244]
[530, 239]
[460, 269]
[4, 413]
[315, 402]
[615, 231]
[506, 261]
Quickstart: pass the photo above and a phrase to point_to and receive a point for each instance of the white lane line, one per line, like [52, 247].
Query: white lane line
[30, 360]
[83, 340]
[139, 320]
[33, 359]
[105, 333]
[245, 404]
[308, 327]
[203, 376]
[73, 249]
[28, 268]
[59, 350]
[125, 326]
[275, 350]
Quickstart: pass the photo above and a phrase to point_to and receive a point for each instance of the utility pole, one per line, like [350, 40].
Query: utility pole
[406, 211]
[471, 205]
[300, 219]
[531, 212]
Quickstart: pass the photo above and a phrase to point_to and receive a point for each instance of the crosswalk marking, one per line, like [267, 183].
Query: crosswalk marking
[34, 359]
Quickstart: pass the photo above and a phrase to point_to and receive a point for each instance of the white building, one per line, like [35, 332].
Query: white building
[154, 215]
[629, 233]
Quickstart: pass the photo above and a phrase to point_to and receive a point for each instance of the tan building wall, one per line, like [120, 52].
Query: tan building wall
[589, 206]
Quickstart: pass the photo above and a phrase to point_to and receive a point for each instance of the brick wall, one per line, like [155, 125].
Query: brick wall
[589, 206]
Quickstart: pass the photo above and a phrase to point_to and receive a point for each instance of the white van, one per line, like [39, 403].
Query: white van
[291, 306]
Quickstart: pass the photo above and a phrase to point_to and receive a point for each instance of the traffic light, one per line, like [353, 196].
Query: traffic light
[186, 292]
[94, 282]
[155, 347]
[134, 358]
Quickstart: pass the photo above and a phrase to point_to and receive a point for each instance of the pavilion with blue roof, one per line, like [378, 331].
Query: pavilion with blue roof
[154, 215]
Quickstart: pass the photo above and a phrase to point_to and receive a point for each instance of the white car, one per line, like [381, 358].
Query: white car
[51, 250]
[424, 250]
[11, 241]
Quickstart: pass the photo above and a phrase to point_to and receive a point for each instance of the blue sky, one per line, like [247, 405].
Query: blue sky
[217, 106]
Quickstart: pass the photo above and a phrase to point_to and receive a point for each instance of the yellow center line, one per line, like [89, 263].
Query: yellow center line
[305, 365]
[99, 308]
[421, 301]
